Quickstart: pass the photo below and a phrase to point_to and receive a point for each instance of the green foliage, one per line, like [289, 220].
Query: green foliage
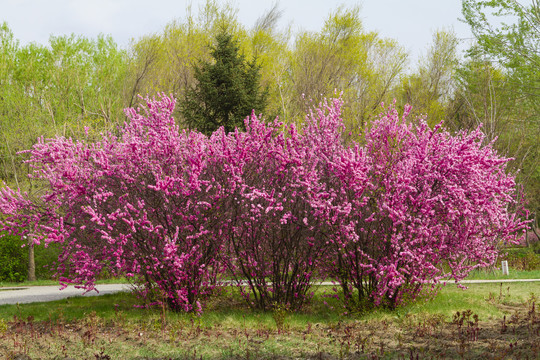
[428, 89]
[58, 89]
[536, 247]
[345, 57]
[228, 89]
[522, 259]
[485, 97]
[13, 259]
[45, 259]
[507, 34]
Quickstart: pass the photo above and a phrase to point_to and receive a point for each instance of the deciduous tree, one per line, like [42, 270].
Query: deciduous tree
[507, 34]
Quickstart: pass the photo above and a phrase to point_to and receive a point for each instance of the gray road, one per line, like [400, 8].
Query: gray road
[30, 294]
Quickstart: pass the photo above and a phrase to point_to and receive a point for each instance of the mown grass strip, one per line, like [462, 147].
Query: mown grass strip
[229, 309]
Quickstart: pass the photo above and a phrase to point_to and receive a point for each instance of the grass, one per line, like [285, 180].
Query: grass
[40, 282]
[110, 327]
[497, 274]
[482, 299]
[230, 308]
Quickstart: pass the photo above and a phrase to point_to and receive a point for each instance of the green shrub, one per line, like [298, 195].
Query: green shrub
[45, 259]
[522, 259]
[536, 247]
[13, 259]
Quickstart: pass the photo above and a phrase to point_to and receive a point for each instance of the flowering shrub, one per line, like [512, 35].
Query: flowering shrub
[138, 205]
[279, 204]
[437, 205]
[275, 206]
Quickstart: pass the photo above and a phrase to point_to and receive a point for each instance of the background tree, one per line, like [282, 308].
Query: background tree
[163, 62]
[269, 45]
[228, 89]
[507, 34]
[343, 56]
[429, 89]
[58, 89]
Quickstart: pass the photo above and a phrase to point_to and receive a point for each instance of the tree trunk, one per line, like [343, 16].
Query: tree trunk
[31, 263]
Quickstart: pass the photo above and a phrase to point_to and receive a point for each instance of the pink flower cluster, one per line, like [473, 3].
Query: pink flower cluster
[437, 206]
[274, 207]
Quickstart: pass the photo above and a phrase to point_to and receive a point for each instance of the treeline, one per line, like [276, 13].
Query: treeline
[75, 85]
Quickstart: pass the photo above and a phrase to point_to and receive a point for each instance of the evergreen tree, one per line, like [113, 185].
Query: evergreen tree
[228, 89]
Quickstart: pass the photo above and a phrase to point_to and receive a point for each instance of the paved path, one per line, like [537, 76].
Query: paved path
[494, 281]
[28, 294]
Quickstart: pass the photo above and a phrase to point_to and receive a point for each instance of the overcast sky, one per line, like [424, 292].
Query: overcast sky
[411, 22]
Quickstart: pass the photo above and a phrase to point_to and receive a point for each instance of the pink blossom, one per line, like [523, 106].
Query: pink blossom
[274, 206]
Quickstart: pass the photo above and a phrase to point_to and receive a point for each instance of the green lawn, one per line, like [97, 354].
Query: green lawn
[497, 275]
[481, 298]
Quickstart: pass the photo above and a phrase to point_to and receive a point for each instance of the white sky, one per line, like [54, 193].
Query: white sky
[411, 22]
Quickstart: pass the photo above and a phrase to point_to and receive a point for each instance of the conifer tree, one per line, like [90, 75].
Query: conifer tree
[228, 89]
